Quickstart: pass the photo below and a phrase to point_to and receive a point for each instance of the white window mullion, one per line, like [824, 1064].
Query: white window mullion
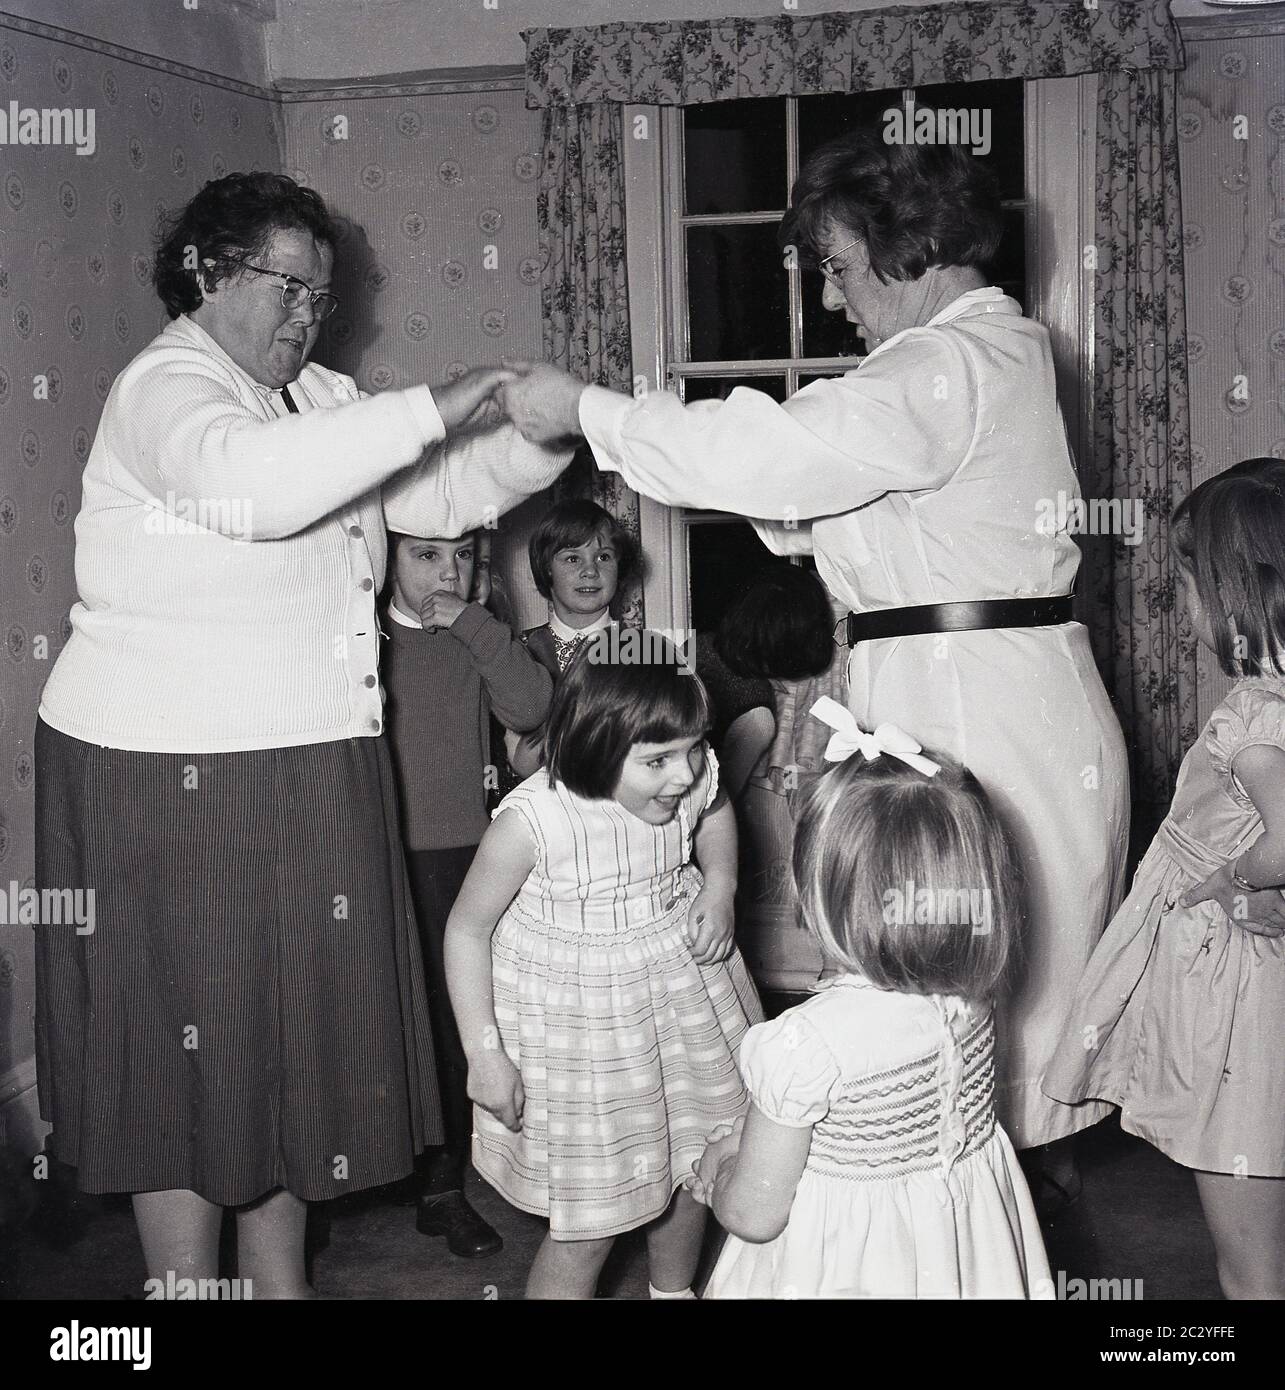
[653, 294]
[1059, 225]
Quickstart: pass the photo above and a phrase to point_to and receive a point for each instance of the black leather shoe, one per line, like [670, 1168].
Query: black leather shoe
[451, 1216]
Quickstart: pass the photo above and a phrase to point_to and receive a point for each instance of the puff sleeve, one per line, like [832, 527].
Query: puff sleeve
[711, 781]
[1250, 715]
[789, 1070]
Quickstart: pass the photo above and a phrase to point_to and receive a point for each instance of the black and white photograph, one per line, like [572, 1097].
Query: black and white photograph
[643, 660]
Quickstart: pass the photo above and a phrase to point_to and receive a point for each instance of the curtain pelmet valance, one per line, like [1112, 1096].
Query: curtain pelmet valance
[683, 62]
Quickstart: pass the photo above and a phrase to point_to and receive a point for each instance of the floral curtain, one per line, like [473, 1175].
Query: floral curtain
[584, 291]
[581, 77]
[1142, 640]
[682, 62]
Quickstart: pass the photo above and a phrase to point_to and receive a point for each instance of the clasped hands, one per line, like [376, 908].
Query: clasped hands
[543, 402]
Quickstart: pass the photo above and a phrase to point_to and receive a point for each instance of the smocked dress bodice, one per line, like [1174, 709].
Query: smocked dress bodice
[910, 1189]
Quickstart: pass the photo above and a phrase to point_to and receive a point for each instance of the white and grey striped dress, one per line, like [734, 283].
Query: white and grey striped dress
[625, 1044]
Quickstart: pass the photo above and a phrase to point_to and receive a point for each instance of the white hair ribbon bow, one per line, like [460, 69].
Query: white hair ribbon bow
[849, 738]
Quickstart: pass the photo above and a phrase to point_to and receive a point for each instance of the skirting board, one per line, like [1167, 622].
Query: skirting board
[21, 1128]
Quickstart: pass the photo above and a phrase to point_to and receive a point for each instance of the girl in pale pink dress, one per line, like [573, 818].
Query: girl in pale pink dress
[870, 1164]
[1178, 1017]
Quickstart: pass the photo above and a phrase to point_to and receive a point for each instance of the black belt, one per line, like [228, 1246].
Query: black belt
[958, 617]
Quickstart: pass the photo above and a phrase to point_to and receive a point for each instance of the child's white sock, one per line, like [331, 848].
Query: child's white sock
[660, 1293]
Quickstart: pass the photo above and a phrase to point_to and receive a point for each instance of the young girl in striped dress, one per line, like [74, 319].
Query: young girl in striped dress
[599, 996]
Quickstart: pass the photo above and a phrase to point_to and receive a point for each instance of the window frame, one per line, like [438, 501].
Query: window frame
[1059, 225]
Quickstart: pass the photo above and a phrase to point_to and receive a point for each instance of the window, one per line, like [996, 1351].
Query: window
[714, 306]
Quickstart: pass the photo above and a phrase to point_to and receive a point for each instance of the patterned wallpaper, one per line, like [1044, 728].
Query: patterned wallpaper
[75, 306]
[438, 271]
[439, 268]
[426, 180]
[1231, 128]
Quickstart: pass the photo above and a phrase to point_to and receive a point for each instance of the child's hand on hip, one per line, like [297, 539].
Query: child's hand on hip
[495, 1084]
[440, 609]
[710, 924]
[1262, 913]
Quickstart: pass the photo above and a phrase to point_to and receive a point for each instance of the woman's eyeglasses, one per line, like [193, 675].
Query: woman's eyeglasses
[295, 292]
[832, 273]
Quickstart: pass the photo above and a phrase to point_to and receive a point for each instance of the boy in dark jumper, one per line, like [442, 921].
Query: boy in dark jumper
[447, 665]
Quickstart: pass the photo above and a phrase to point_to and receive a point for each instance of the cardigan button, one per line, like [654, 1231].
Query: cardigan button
[374, 724]
[356, 532]
[370, 681]
[367, 584]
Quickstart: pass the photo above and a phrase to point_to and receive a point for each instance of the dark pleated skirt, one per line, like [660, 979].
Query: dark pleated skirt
[249, 1011]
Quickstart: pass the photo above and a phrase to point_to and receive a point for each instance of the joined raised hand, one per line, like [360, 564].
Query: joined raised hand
[467, 399]
[542, 401]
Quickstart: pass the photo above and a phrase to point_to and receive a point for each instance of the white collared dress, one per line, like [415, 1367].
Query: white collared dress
[932, 474]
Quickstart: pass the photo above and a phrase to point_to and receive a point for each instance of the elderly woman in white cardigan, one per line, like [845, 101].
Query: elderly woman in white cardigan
[919, 482]
[247, 1025]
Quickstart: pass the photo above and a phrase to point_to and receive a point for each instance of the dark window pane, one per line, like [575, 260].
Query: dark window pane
[807, 380]
[999, 104]
[824, 118]
[735, 156]
[724, 559]
[826, 333]
[1008, 270]
[737, 294]
[718, 388]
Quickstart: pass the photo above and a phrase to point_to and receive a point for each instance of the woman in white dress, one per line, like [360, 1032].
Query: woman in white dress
[920, 482]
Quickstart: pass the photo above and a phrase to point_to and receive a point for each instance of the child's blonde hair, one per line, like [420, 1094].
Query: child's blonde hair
[908, 880]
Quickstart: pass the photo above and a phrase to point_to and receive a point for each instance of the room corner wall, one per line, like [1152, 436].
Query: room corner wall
[426, 178]
[76, 304]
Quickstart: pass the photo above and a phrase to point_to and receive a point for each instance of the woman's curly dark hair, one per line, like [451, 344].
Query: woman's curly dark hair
[232, 216]
[912, 205]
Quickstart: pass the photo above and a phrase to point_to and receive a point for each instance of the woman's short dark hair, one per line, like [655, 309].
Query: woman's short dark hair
[913, 206]
[232, 216]
[1229, 534]
[572, 523]
[780, 628]
[625, 686]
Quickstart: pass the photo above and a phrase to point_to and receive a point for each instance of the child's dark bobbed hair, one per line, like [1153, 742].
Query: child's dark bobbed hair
[573, 523]
[1230, 536]
[625, 686]
[910, 881]
[780, 628]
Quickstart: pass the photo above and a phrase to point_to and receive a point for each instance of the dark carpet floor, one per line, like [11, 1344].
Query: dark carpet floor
[1138, 1219]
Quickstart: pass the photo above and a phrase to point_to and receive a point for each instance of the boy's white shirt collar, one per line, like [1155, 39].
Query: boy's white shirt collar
[565, 633]
[404, 619]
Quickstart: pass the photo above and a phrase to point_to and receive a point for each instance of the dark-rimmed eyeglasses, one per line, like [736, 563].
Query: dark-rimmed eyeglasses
[295, 292]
